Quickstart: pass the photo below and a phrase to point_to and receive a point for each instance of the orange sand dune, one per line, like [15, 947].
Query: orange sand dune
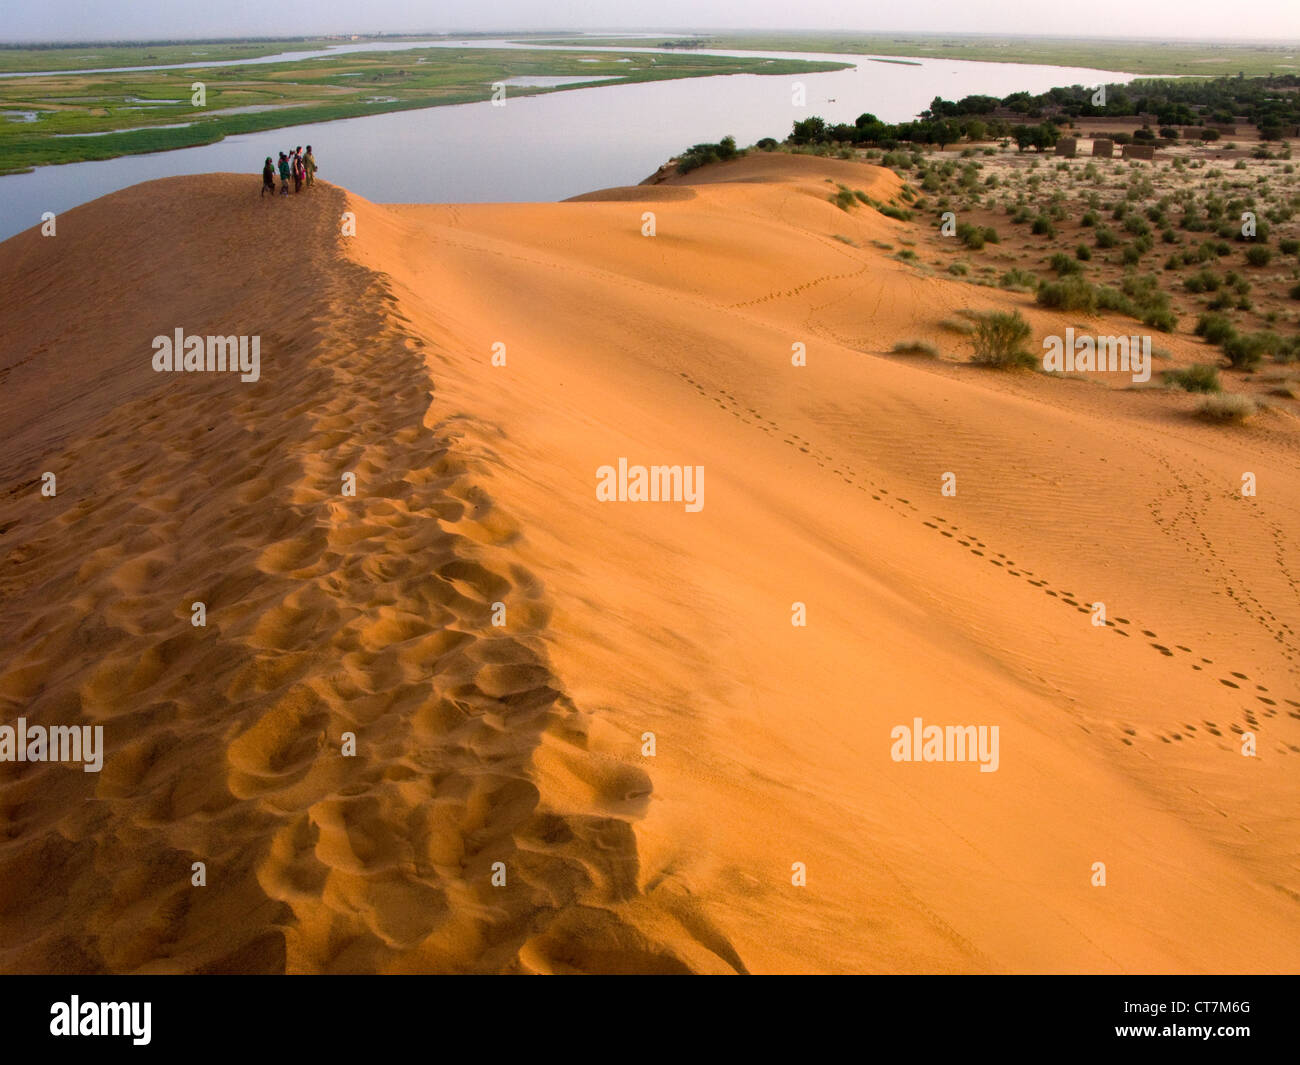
[523, 743]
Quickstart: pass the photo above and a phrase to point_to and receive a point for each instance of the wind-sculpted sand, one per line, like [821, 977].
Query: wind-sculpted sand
[525, 743]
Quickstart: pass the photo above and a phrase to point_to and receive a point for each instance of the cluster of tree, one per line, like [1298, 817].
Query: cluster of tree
[868, 129]
[1271, 104]
[699, 155]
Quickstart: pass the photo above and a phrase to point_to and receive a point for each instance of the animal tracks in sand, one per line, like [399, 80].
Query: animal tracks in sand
[729, 403]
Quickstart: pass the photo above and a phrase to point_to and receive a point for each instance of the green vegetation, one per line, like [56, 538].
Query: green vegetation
[1271, 104]
[975, 237]
[1245, 351]
[1139, 296]
[702, 154]
[1227, 407]
[1018, 280]
[16, 59]
[1068, 294]
[999, 340]
[915, 347]
[1198, 378]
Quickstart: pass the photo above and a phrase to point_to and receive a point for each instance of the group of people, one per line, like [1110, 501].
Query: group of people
[295, 165]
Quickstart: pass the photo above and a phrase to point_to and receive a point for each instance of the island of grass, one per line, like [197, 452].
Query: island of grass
[26, 58]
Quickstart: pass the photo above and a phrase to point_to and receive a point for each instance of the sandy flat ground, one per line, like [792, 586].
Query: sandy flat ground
[523, 743]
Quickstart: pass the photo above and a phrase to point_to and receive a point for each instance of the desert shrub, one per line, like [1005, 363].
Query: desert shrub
[1215, 328]
[999, 340]
[956, 325]
[1090, 218]
[1083, 252]
[1258, 256]
[1105, 238]
[1160, 316]
[1198, 378]
[1063, 264]
[971, 236]
[1136, 225]
[1043, 227]
[1288, 350]
[1147, 302]
[1245, 351]
[1294, 292]
[1016, 278]
[1227, 407]
[1112, 299]
[915, 347]
[1071, 293]
[1202, 281]
[767, 144]
[1288, 247]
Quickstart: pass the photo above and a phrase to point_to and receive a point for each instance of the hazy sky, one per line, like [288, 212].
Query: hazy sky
[1162, 19]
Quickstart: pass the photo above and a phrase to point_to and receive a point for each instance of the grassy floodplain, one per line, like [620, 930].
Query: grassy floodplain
[1132, 56]
[15, 58]
[74, 117]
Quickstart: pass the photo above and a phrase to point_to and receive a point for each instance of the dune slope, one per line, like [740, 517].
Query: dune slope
[586, 734]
